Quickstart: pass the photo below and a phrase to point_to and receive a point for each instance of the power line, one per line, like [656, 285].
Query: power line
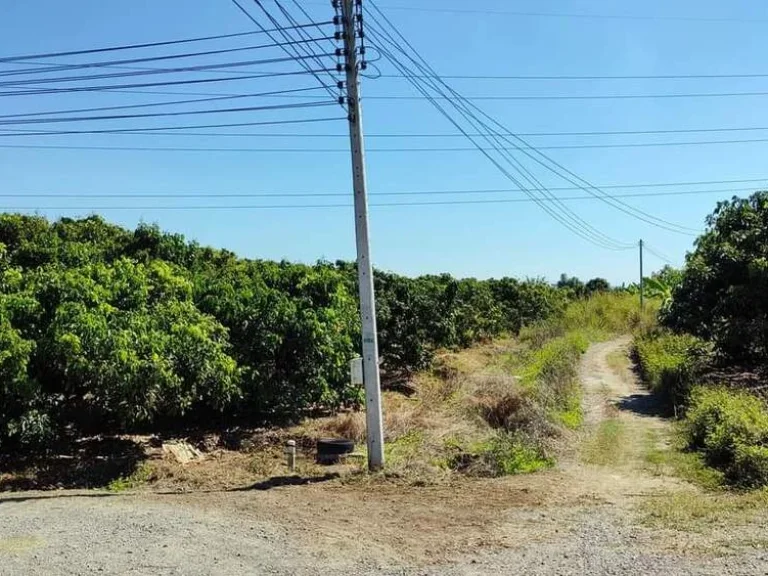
[151, 130]
[198, 68]
[108, 87]
[368, 136]
[400, 150]
[540, 158]
[52, 67]
[279, 206]
[116, 63]
[581, 97]
[154, 104]
[282, 30]
[213, 195]
[302, 47]
[404, 98]
[556, 77]
[569, 15]
[144, 45]
[297, 105]
[658, 254]
[562, 215]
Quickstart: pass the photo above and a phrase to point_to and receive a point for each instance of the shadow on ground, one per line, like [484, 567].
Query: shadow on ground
[92, 463]
[280, 481]
[642, 405]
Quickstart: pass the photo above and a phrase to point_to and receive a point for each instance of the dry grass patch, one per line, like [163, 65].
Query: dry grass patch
[695, 511]
[608, 445]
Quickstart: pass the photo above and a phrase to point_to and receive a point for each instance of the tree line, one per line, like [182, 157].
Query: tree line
[104, 329]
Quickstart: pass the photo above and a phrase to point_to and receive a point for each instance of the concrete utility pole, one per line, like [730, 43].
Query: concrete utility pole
[364, 267]
[642, 281]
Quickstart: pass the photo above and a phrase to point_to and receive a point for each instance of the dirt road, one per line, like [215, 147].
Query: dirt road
[613, 506]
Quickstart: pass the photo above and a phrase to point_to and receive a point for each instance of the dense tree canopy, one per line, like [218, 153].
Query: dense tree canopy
[596, 285]
[103, 329]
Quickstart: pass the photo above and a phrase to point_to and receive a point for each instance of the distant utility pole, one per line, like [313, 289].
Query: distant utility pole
[352, 22]
[642, 281]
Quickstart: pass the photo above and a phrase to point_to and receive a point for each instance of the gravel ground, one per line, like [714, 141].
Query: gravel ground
[129, 535]
[575, 520]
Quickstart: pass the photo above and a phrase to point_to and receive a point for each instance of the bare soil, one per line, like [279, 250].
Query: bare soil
[607, 508]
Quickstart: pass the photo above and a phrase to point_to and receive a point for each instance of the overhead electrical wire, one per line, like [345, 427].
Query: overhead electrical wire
[305, 46]
[637, 213]
[464, 109]
[283, 206]
[393, 97]
[547, 162]
[115, 63]
[374, 135]
[156, 104]
[205, 68]
[296, 105]
[558, 212]
[562, 214]
[198, 68]
[212, 195]
[52, 66]
[572, 15]
[658, 254]
[398, 150]
[544, 97]
[143, 45]
[32, 92]
[149, 130]
[555, 77]
[283, 31]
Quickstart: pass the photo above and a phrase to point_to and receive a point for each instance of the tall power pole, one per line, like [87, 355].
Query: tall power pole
[642, 281]
[351, 22]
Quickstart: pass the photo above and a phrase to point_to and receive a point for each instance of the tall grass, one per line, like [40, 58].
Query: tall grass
[599, 317]
[670, 365]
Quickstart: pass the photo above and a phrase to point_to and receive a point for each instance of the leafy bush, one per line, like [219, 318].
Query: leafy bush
[731, 429]
[750, 466]
[723, 296]
[507, 454]
[502, 454]
[670, 364]
[552, 374]
[547, 393]
[17, 391]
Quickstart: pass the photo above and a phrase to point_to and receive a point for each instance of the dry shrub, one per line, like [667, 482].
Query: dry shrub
[350, 426]
[434, 389]
[501, 401]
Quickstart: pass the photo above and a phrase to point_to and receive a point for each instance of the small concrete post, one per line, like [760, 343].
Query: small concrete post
[290, 454]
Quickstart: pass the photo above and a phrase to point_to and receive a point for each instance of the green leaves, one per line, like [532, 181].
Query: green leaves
[724, 291]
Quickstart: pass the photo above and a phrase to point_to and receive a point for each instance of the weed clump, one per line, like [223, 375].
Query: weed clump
[670, 364]
[730, 428]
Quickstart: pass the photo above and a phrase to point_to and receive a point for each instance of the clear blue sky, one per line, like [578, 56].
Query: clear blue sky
[468, 240]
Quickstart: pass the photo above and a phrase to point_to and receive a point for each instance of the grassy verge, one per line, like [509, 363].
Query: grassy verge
[670, 364]
[696, 512]
[606, 447]
[496, 409]
[728, 428]
[666, 454]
